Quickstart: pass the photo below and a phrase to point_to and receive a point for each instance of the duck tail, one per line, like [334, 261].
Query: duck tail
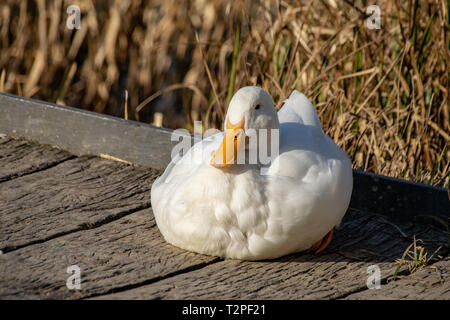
[298, 108]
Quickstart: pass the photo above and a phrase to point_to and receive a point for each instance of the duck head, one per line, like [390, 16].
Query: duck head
[251, 110]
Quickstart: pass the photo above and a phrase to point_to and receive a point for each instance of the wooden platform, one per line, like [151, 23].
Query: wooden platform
[59, 210]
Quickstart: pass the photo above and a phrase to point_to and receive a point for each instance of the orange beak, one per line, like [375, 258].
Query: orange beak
[233, 141]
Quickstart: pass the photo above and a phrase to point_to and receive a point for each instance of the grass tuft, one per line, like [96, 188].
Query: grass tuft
[414, 258]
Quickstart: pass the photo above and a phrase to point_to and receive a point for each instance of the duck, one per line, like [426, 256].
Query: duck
[213, 200]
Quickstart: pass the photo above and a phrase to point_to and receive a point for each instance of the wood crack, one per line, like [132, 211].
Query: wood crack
[154, 280]
[82, 227]
[33, 171]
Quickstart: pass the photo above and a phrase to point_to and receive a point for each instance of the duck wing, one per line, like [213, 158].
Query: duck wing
[306, 152]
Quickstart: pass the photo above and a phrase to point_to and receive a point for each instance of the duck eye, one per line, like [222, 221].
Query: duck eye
[257, 107]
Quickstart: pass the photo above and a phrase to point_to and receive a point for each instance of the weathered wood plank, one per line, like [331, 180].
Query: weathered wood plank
[62, 216]
[19, 157]
[125, 252]
[431, 283]
[73, 195]
[82, 132]
[361, 241]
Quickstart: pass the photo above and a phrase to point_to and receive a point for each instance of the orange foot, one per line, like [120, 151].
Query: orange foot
[320, 245]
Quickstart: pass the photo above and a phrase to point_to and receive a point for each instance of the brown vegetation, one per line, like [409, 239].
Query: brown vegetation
[382, 95]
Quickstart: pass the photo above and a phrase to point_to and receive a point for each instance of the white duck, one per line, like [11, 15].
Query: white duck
[207, 203]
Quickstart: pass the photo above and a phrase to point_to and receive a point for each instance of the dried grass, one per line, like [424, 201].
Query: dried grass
[382, 95]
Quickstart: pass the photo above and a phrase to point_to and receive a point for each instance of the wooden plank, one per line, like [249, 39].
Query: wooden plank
[126, 252]
[85, 133]
[82, 132]
[399, 200]
[362, 240]
[74, 195]
[430, 283]
[19, 157]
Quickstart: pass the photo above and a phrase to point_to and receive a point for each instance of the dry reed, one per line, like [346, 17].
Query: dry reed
[382, 95]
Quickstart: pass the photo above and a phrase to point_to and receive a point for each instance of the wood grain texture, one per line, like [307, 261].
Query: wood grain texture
[362, 240]
[57, 211]
[20, 157]
[126, 252]
[70, 196]
[430, 283]
[84, 132]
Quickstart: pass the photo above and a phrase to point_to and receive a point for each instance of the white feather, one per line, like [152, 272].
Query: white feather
[239, 213]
